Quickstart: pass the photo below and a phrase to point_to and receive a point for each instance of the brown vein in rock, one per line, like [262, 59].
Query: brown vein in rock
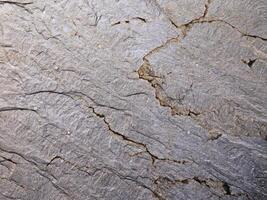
[186, 27]
[146, 72]
[220, 186]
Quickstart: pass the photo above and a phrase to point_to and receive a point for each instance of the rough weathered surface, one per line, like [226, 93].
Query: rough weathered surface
[133, 99]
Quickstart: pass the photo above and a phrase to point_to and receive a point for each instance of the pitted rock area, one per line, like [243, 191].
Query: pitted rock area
[133, 99]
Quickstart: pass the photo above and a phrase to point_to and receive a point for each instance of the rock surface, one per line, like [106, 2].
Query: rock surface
[136, 100]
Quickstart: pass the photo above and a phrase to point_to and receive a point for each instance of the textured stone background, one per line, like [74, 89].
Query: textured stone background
[133, 99]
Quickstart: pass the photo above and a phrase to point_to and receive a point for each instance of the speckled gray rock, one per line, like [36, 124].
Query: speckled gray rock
[136, 100]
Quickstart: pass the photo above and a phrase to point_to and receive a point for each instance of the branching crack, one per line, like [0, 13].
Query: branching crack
[204, 19]
[145, 72]
[185, 28]
[137, 143]
[103, 117]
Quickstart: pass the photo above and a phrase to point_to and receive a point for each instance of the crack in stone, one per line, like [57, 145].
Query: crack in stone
[128, 21]
[209, 183]
[155, 193]
[19, 4]
[185, 28]
[7, 159]
[116, 133]
[137, 143]
[84, 168]
[145, 72]
[206, 20]
[55, 185]
[6, 109]
[249, 62]
[39, 170]
[24, 157]
[15, 2]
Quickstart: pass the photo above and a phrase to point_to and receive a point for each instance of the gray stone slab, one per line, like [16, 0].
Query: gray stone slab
[121, 99]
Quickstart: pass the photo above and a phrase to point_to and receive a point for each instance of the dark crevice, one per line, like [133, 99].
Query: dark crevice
[229, 24]
[53, 159]
[24, 157]
[6, 45]
[15, 2]
[40, 170]
[7, 159]
[173, 23]
[103, 117]
[209, 183]
[135, 94]
[87, 169]
[135, 181]
[5, 109]
[224, 185]
[128, 21]
[116, 23]
[255, 36]
[207, 4]
[141, 19]
[249, 63]
[145, 72]
[202, 182]
[49, 91]
[156, 194]
[185, 28]
[226, 188]
[19, 4]
[142, 145]
[70, 94]
[214, 137]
